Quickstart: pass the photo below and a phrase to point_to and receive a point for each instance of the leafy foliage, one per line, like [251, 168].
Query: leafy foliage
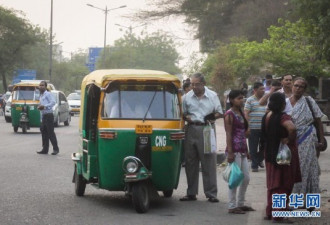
[156, 51]
[291, 49]
[317, 12]
[220, 20]
[15, 33]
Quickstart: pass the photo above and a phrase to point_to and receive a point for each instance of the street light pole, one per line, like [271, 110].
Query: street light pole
[51, 42]
[130, 28]
[106, 11]
[105, 35]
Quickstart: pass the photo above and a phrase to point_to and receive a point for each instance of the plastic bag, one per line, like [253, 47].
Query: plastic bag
[236, 176]
[226, 172]
[284, 155]
[210, 142]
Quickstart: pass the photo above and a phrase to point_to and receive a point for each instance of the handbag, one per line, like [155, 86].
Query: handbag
[316, 125]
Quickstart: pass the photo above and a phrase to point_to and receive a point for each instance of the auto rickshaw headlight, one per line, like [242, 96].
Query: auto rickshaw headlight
[132, 167]
[131, 164]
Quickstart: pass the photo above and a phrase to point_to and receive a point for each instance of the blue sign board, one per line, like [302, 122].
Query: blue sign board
[24, 75]
[93, 55]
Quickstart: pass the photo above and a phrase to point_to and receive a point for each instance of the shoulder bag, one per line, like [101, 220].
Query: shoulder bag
[316, 125]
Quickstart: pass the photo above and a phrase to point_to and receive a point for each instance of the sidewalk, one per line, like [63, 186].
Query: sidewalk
[256, 193]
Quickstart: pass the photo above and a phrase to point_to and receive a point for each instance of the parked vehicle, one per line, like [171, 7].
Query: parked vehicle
[61, 109]
[74, 103]
[131, 133]
[24, 106]
[8, 109]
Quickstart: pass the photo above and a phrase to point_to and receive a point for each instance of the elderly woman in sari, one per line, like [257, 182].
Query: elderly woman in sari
[308, 145]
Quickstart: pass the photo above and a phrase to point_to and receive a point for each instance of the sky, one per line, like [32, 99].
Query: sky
[78, 26]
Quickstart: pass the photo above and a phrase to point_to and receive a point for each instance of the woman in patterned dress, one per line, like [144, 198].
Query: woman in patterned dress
[307, 137]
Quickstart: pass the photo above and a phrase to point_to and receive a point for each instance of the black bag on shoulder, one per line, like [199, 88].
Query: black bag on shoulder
[316, 125]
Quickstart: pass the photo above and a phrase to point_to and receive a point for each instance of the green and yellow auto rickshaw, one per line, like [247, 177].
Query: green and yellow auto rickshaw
[24, 106]
[131, 133]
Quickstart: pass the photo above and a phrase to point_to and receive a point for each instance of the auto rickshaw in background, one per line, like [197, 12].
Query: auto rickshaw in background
[24, 106]
[131, 133]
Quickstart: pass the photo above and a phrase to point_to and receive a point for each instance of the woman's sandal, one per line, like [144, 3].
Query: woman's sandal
[236, 211]
[246, 208]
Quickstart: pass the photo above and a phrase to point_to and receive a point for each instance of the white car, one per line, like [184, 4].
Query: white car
[74, 103]
[8, 110]
[61, 109]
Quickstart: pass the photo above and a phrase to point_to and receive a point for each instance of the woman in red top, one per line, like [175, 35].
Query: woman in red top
[278, 127]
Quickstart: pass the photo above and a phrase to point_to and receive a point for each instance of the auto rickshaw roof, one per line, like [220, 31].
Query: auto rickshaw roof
[97, 77]
[34, 83]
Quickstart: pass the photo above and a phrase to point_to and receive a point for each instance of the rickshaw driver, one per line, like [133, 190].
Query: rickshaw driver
[200, 106]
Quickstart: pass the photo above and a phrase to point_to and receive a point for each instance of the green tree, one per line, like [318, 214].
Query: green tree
[156, 52]
[292, 48]
[220, 20]
[15, 33]
[317, 12]
[231, 64]
[67, 75]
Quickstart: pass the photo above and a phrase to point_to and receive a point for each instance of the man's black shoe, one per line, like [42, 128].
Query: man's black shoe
[188, 198]
[55, 152]
[42, 152]
[213, 200]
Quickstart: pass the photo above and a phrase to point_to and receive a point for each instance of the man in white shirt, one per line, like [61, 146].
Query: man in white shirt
[200, 106]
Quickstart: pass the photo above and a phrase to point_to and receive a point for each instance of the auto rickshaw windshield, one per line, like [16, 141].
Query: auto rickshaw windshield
[26, 93]
[141, 101]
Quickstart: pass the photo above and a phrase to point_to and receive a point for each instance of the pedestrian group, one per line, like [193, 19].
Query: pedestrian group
[276, 114]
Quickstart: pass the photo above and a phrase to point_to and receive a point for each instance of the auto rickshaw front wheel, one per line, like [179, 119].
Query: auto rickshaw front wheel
[24, 128]
[15, 129]
[80, 184]
[140, 197]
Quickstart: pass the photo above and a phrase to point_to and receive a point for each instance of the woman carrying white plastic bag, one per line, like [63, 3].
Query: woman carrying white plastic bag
[236, 127]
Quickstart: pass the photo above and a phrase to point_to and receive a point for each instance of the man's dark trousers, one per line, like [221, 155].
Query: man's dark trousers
[47, 132]
[257, 155]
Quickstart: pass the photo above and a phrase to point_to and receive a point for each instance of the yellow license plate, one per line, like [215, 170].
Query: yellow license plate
[143, 129]
[19, 108]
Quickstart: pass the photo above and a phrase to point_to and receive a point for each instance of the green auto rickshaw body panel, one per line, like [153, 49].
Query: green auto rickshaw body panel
[101, 160]
[165, 159]
[32, 112]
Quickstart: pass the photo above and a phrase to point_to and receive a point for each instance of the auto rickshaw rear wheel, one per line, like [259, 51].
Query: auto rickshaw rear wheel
[140, 197]
[168, 193]
[15, 129]
[80, 184]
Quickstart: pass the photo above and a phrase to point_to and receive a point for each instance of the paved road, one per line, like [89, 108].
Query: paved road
[37, 189]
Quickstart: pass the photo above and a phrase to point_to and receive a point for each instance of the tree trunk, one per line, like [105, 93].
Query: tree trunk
[4, 81]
